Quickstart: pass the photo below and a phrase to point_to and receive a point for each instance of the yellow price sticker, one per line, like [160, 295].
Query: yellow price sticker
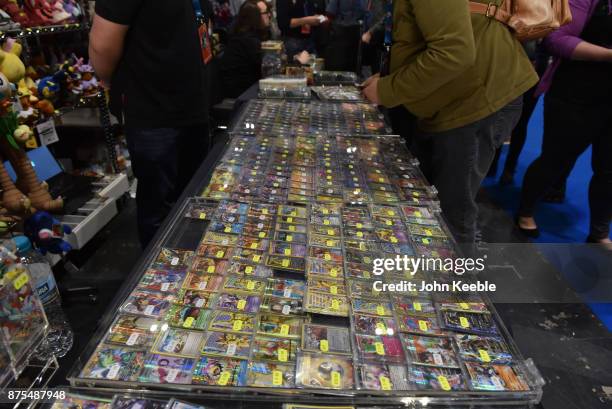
[362, 246]
[335, 304]
[250, 285]
[248, 269]
[282, 355]
[380, 310]
[228, 230]
[224, 378]
[202, 216]
[277, 378]
[359, 234]
[388, 222]
[264, 211]
[220, 254]
[367, 260]
[336, 379]
[293, 213]
[423, 326]
[426, 241]
[393, 239]
[257, 258]
[326, 211]
[324, 345]
[418, 214]
[188, 323]
[20, 281]
[262, 234]
[285, 262]
[330, 243]
[333, 289]
[359, 225]
[381, 180]
[464, 306]
[417, 306]
[444, 383]
[327, 256]
[287, 252]
[484, 355]
[289, 219]
[380, 348]
[329, 177]
[385, 383]
[428, 232]
[390, 213]
[289, 238]
[330, 232]
[291, 228]
[210, 269]
[326, 222]
[366, 274]
[237, 325]
[464, 322]
[254, 246]
[333, 272]
[381, 328]
[241, 304]
[284, 330]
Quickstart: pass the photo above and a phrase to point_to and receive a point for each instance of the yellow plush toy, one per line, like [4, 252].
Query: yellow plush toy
[10, 63]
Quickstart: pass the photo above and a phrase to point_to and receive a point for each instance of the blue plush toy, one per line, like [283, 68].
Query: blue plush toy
[47, 233]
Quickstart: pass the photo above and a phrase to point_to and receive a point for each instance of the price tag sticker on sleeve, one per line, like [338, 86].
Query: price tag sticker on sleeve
[336, 379]
[417, 306]
[380, 310]
[464, 306]
[277, 378]
[188, 323]
[284, 330]
[285, 262]
[380, 328]
[202, 216]
[262, 234]
[333, 289]
[241, 304]
[385, 383]
[444, 383]
[224, 378]
[231, 349]
[250, 285]
[210, 269]
[291, 228]
[324, 345]
[327, 257]
[464, 322]
[333, 272]
[335, 304]
[20, 281]
[380, 348]
[287, 252]
[282, 355]
[113, 372]
[237, 325]
[484, 355]
[220, 254]
[256, 258]
[47, 132]
[248, 269]
[133, 339]
[423, 326]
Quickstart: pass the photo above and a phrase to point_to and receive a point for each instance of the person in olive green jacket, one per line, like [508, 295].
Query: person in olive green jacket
[462, 76]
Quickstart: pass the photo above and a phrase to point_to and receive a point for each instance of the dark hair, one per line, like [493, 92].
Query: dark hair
[249, 18]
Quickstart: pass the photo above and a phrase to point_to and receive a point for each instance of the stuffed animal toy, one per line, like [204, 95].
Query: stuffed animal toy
[58, 14]
[39, 12]
[16, 13]
[10, 63]
[47, 233]
[49, 87]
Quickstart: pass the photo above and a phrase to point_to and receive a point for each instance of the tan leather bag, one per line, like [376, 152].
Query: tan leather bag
[528, 19]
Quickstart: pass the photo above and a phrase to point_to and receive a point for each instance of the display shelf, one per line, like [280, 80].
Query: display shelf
[185, 233]
[43, 30]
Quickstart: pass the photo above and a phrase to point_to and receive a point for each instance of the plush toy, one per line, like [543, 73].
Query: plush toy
[39, 12]
[10, 63]
[16, 13]
[47, 233]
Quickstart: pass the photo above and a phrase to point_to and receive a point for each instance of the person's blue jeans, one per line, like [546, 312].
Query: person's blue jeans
[456, 162]
[164, 161]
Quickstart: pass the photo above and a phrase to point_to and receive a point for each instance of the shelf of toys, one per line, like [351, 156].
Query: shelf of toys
[262, 287]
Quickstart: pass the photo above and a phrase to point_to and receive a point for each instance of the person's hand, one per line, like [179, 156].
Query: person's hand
[366, 37]
[312, 20]
[370, 89]
[302, 57]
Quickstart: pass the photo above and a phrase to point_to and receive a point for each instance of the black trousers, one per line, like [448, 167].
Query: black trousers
[569, 129]
[164, 161]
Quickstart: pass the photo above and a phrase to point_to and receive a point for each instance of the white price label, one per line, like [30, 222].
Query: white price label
[149, 310]
[132, 339]
[165, 286]
[199, 303]
[286, 309]
[231, 349]
[172, 374]
[47, 133]
[438, 359]
[287, 293]
[175, 261]
[113, 372]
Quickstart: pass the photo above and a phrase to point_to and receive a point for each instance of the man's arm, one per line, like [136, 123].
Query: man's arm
[446, 26]
[106, 46]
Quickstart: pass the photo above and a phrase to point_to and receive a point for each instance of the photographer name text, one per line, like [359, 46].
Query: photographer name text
[435, 286]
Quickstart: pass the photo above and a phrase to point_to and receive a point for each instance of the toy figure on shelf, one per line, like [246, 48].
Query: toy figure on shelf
[39, 12]
[10, 63]
[47, 233]
[89, 83]
[15, 12]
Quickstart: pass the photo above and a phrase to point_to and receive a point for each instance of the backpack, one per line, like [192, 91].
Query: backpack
[528, 19]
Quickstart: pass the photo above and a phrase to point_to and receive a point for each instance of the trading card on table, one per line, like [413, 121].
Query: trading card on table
[397, 248]
[283, 248]
[225, 227]
[329, 199]
[229, 218]
[414, 306]
[331, 231]
[202, 265]
[419, 215]
[241, 255]
[286, 288]
[325, 241]
[290, 227]
[130, 337]
[333, 191]
[373, 325]
[324, 372]
[321, 285]
[384, 195]
[478, 307]
[218, 191]
[298, 184]
[167, 369]
[488, 350]
[469, 322]
[379, 308]
[274, 349]
[280, 325]
[126, 402]
[285, 306]
[147, 303]
[359, 257]
[227, 344]
[326, 254]
[276, 182]
[222, 239]
[136, 323]
[327, 339]
[117, 364]
[431, 378]
[428, 231]
[162, 281]
[219, 371]
[232, 322]
[380, 347]
[200, 211]
[361, 245]
[433, 351]
[257, 209]
[378, 376]
[495, 377]
[172, 259]
[258, 230]
[393, 236]
[250, 270]
[385, 211]
[270, 375]
[233, 207]
[293, 211]
[244, 284]
[299, 198]
[359, 271]
[420, 325]
[365, 289]
[355, 213]
[357, 234]
[326, 210]
[236, 302]
[286, 263]
[326, 304]
[202, 282]
[214, 251]
[189, 317]
[180, 342]
[290, 237]
[253, 243]
[317, 267]
[423, 246]
[193, 298]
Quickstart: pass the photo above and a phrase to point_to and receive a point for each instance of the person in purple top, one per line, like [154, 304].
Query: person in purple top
[577, 114]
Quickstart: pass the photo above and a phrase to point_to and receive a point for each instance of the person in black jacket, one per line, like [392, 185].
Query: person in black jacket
[240, 65]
